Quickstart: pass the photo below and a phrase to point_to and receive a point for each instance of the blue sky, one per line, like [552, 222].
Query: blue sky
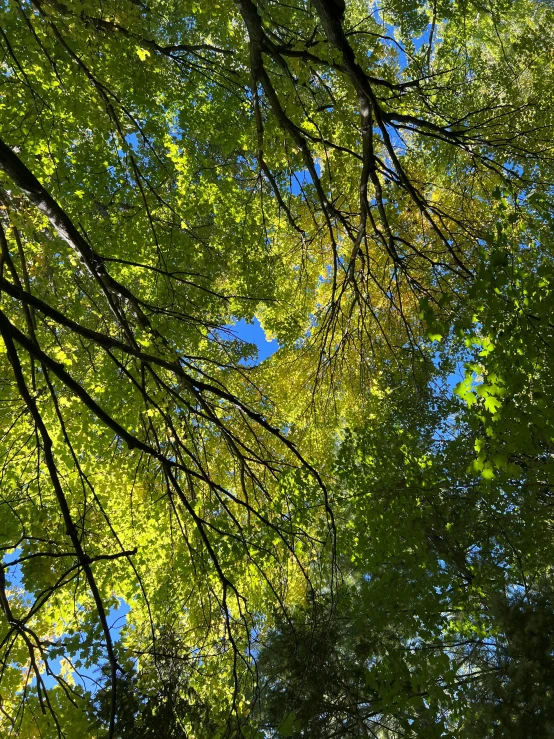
[254, 334]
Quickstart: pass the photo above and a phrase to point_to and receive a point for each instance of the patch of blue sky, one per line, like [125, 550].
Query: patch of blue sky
[396, 140]
[89, 677]
[14, 575]
[457, 375]
[253, 333]
[301, 178]
[423, 40]
[420, 42]
[389, 39]
[514, 168]
[117, 619]
[132, 140]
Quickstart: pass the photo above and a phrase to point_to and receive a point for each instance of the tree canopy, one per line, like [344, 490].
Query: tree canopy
[353, 537]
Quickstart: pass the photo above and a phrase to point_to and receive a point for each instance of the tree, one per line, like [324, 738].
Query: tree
[373, 183]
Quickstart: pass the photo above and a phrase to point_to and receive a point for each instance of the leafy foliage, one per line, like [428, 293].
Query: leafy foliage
[353, 537]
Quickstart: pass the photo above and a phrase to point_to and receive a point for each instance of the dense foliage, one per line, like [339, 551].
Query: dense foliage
[354, 536]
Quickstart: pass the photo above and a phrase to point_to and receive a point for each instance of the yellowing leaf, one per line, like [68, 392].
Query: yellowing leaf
[142, 53]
